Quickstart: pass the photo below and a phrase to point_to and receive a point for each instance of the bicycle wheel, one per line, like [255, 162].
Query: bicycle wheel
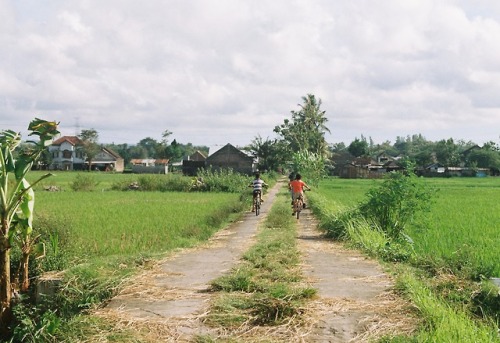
[257, 205]
[298, 208]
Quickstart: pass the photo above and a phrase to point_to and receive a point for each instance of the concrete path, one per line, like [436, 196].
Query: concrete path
[356, 302]
[176, 291]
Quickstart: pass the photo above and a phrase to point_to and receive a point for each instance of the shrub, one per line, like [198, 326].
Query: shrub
[84, 182]
[154, 182]
[394, 203]
[222, 180]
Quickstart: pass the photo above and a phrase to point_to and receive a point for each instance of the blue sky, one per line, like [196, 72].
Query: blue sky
[217, 72]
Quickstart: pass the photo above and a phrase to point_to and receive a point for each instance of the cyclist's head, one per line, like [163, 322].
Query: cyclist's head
[298, 176]
[257, 175]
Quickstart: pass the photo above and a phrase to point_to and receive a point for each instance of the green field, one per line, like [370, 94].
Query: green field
[113, 222]
[464, 220]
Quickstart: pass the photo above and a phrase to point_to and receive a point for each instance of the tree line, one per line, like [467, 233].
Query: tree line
[299, 143]
[423, 152]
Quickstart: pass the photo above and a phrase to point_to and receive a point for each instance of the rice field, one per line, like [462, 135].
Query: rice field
[114, 222]
[463, 224]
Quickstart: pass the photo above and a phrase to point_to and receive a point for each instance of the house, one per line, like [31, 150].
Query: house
[193, 163]
[149, 166]
[363, 168]
[230, 157]
[67, 153]
[108, 160]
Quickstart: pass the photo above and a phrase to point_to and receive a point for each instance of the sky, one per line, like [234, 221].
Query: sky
[214, 72]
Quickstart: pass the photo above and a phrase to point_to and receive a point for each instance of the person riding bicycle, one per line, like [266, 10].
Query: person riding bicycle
[257, 185]
[291, 177]
[297, 187]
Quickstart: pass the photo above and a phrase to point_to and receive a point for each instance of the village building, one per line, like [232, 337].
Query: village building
[149, 166]
[66, 153]
[193, 163]
[230, 157]
[227, 157]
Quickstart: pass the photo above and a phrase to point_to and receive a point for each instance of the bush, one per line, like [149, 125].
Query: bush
[154, 182]
[223, 180]
[84, 182]
[396, 201]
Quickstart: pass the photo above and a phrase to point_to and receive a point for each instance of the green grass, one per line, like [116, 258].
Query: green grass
[266, 287]
[455, 246]
[101, 237]
[64, 179]
[114, 222]
[463, 220]
[442, 322]
[463, 223]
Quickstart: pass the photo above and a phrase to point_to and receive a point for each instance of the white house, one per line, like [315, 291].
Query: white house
[67, 154]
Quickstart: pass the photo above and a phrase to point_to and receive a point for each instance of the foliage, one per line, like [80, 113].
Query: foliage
[34, 324]
[17, 203]
[151, 148]
[90, 144]
[394, 203]
[84, 182]
[358, 147]
[306, 129]
[271, 153]
[310, 165]
[154, 182]
[484, 158]
[423, 152]
[221, 180]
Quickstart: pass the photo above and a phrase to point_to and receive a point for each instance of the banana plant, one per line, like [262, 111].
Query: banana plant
[17, 200]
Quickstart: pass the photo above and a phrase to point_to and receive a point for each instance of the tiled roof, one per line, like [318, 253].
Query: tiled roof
[73, 140]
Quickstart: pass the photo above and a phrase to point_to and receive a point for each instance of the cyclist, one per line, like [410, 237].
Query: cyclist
[297, 186]
[257, 185]
[291, 177]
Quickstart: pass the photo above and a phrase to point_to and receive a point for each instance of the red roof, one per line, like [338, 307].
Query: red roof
[73, 140]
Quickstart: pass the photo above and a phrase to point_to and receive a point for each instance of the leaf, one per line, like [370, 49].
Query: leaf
[28, 202]
[22, 167]
[39, 250]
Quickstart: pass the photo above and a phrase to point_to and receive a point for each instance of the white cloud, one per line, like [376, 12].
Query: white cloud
[214, 72]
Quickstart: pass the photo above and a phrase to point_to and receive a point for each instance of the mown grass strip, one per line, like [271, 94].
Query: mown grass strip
[266, 288]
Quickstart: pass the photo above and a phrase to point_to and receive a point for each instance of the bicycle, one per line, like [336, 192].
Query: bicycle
[257, 201]
[298, 205]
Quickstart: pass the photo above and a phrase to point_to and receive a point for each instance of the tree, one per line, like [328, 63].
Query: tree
[150, 146]
[307, 129]
[90, 145]
[270, 153]
[484, 158]
[447, 152]
[311, 164]
[358, 147]
[17, 200]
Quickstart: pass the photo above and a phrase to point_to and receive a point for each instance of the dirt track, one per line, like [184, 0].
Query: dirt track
[355, 299]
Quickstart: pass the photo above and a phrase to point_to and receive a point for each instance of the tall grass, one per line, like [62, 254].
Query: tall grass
[443, 323]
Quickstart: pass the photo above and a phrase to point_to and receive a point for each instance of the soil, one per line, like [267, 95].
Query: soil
[355, 301]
